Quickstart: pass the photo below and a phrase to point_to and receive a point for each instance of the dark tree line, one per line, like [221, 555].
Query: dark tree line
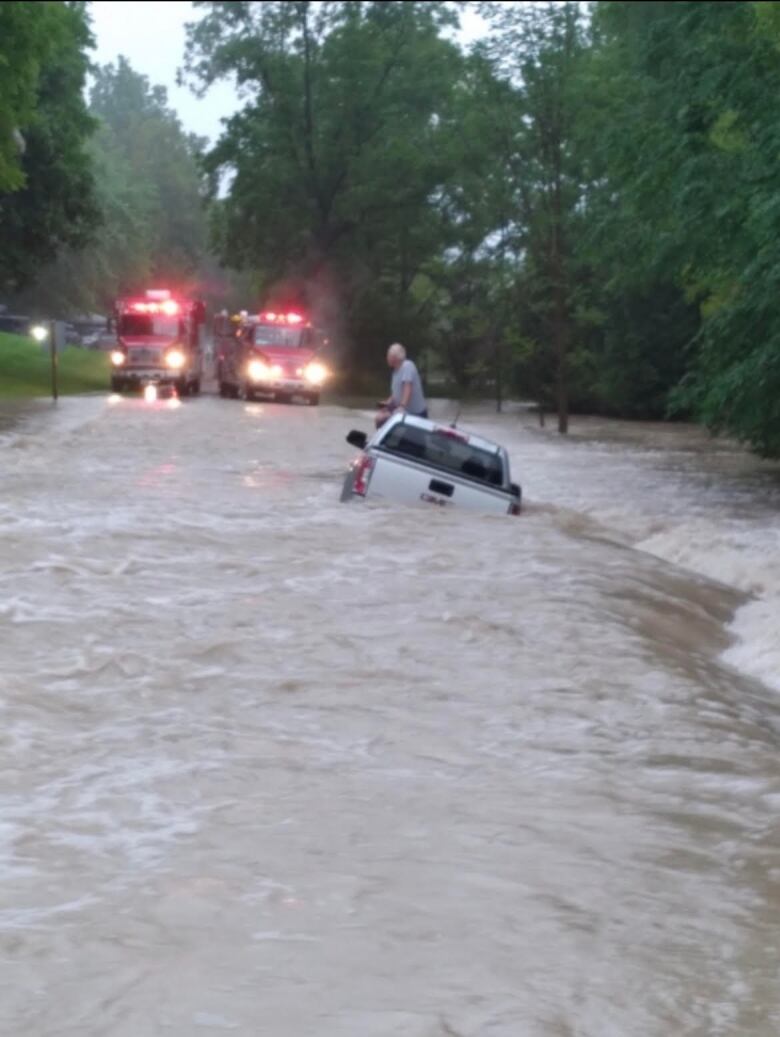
[580, 208]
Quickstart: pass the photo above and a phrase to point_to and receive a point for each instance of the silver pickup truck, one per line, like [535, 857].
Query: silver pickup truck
[414, 460]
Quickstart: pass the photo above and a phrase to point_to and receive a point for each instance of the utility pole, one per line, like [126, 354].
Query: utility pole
[53, 347]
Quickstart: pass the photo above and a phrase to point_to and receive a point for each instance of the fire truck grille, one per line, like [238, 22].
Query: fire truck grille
[137, 355]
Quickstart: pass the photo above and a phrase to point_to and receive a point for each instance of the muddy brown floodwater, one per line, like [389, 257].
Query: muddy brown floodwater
[274, 765]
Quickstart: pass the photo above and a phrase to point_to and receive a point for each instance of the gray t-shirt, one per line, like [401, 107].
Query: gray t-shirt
[407, 372]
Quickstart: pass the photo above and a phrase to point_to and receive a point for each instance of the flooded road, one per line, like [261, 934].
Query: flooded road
[274, 765]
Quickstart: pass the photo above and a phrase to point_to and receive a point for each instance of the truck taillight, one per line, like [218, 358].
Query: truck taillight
[363, 469]
[514, 509]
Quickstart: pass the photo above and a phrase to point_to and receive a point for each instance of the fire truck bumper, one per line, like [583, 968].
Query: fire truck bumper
[286, 385]
[152, 377]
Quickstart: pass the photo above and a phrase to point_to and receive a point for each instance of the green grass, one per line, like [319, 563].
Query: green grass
[25, 369]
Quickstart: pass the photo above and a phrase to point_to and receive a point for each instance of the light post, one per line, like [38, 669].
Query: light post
[40, 333]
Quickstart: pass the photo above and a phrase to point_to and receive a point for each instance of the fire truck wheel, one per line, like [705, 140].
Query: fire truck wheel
[183, 387]
[117, 384]
[282, 397]
[313, 398]
[196, 387]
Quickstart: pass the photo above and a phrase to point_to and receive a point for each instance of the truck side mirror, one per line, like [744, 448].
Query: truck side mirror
[358, 439]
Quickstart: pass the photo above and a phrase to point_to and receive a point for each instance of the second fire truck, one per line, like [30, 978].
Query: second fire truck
[274, 353]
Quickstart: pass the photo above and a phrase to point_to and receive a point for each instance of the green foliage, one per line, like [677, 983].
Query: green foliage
[25, 46]
[148, 188]
[53, 202]
[539, 50]
[25, 369]
[583, 210]
[689, 139]
[639, 350]
[338, 153]
[147, 147]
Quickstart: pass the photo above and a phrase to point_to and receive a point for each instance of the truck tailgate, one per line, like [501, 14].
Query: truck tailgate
[411, 483]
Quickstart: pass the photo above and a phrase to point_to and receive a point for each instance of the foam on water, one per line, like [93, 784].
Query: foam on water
[704, 505]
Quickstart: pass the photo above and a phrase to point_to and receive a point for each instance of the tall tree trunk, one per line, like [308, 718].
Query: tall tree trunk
[561, 341]
[499, 371]
[560, 308]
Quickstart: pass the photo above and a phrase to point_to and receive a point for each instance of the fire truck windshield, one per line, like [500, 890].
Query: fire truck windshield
[276, 335]
[148, 324]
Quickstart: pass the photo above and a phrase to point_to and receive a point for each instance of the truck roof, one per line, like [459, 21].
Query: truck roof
[446, 430]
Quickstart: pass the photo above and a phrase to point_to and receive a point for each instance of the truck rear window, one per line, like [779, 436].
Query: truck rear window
[449, 453]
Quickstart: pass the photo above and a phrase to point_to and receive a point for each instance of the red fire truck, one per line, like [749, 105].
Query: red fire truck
[272, 353]
[157, 342]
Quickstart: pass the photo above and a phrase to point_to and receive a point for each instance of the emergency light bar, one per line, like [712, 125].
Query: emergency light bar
[281, 318]
[169, 308]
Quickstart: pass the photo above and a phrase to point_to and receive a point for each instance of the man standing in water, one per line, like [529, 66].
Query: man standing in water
[406, 391]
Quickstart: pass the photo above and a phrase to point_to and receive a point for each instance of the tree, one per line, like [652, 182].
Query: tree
[24, 47]
[146, 139]
[52, 204]
[538, 49]
[470, 283]
[335, 160]
[690, 138]
[149, 192]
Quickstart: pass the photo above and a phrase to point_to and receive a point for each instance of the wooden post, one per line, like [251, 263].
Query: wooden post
[54, 359]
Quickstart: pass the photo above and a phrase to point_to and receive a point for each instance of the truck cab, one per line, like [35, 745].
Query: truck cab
[275, 354]
[157, 343]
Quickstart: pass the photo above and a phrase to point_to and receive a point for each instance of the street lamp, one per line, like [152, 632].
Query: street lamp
[40, 333]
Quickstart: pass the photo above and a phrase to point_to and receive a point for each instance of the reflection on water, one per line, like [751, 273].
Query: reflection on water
[273, 764]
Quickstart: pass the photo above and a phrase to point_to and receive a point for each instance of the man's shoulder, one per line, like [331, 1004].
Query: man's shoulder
[409, 367]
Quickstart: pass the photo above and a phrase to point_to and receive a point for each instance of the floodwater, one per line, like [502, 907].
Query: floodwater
[274, 765]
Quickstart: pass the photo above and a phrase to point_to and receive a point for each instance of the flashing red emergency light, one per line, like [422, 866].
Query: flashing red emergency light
[169, 308]
[270, 317]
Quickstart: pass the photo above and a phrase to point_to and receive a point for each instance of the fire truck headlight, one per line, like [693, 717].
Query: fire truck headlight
[175, 359]
[117, 357]
[257, 370]
[39, 332]
[315, 374]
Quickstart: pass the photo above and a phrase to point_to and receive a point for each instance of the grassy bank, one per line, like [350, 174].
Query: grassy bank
[25, 369]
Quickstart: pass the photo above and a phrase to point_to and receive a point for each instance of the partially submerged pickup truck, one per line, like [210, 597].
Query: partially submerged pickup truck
[413, 460]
